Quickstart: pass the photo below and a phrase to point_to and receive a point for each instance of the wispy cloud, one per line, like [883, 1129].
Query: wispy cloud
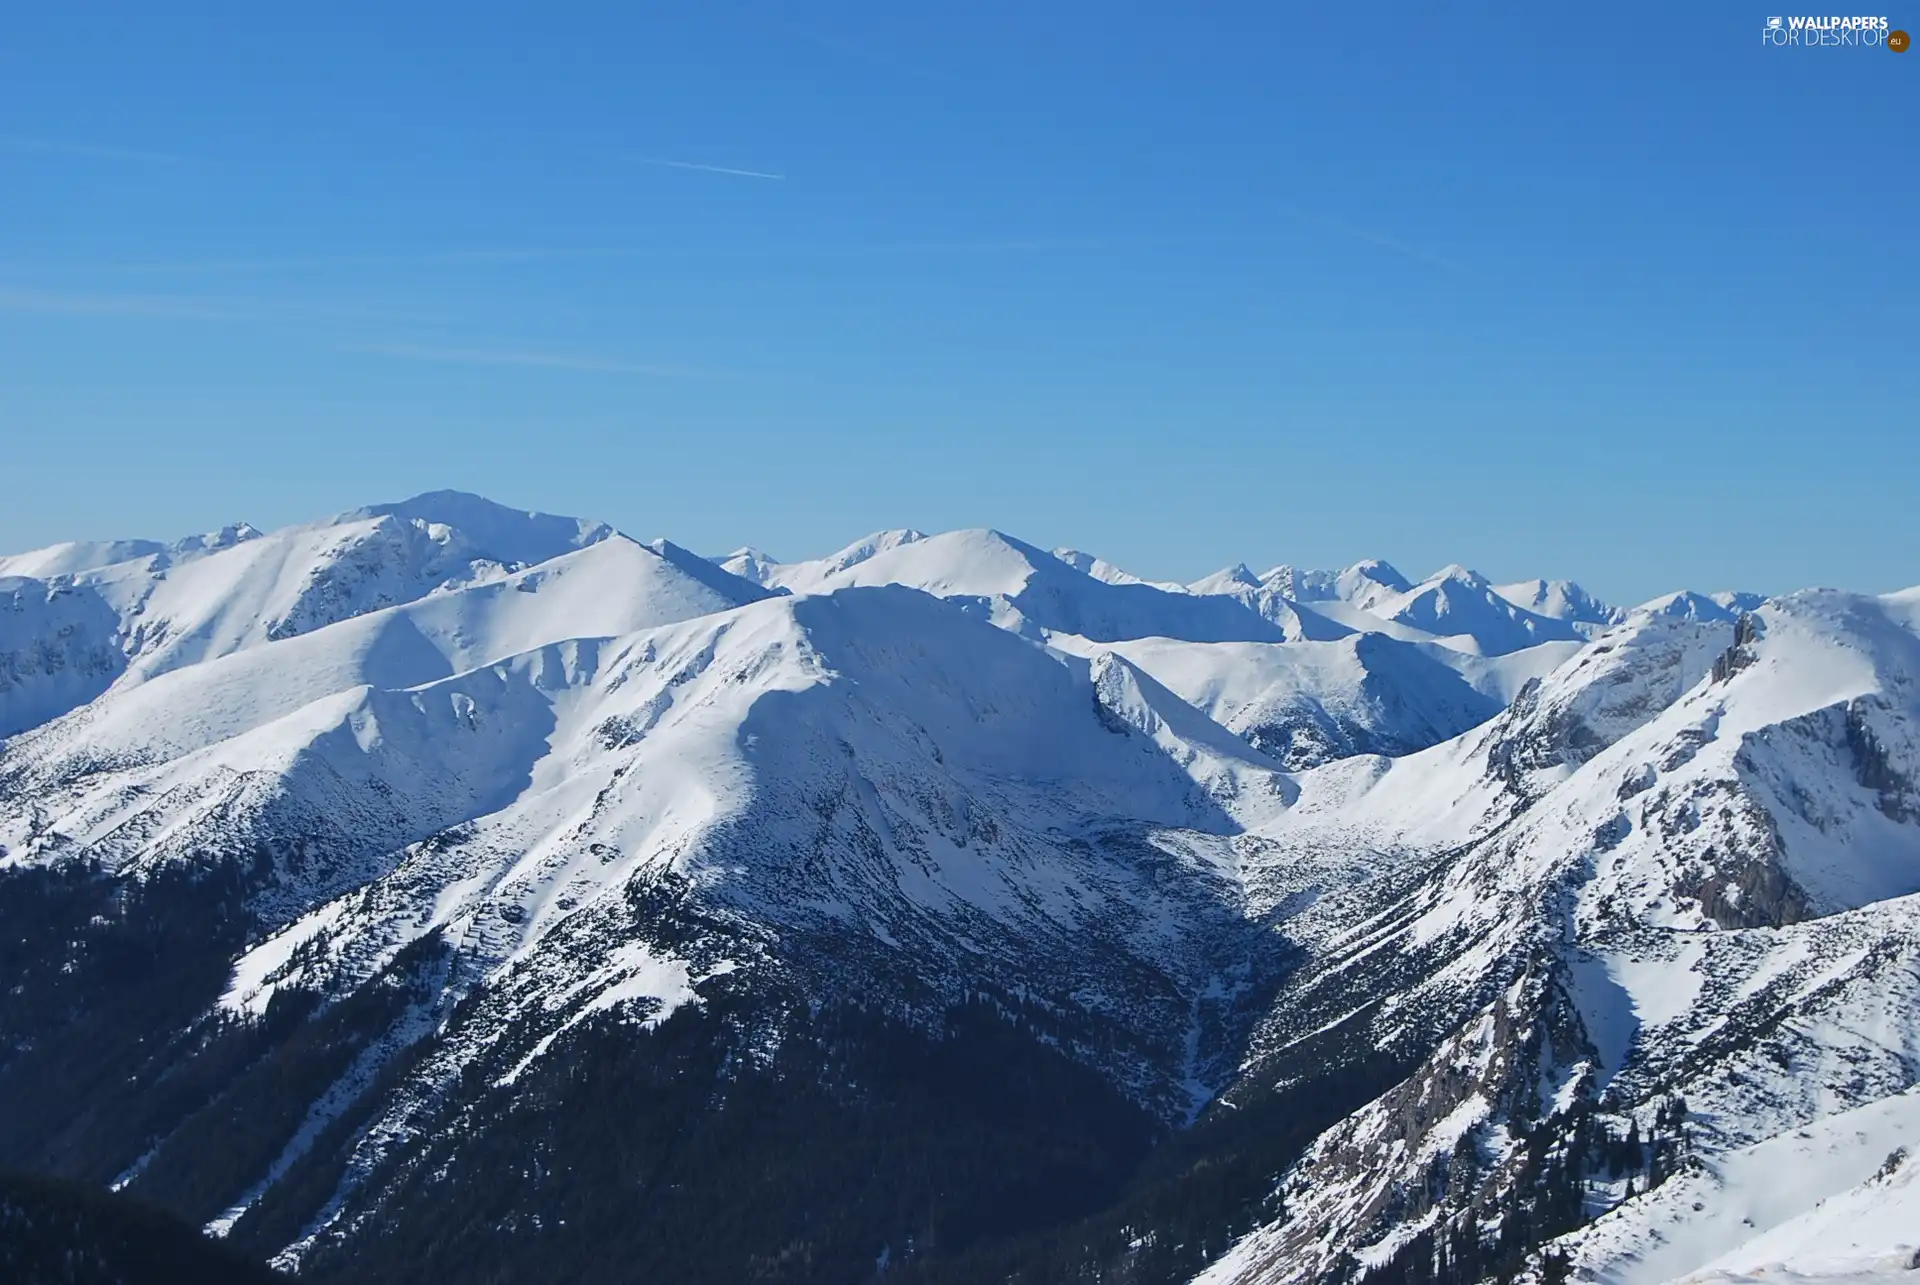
[540, 358]
[413, 259]
[87, 305]
[1035, 245]
[89, 151]
[1380, 239]
[515, 255]
[705, 169]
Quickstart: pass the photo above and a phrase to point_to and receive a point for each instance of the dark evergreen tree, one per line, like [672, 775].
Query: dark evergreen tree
[59, 1233]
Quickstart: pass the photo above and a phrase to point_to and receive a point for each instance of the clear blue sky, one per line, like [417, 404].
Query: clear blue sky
[1612, 292]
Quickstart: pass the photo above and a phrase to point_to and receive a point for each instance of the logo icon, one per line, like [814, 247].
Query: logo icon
[1774, 24]
[1898, 41]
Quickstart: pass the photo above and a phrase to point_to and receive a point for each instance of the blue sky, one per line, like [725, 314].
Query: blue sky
[1615, 293]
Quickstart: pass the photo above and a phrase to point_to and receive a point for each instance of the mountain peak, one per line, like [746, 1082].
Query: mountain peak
[1417, 869]
[1375, 571]
[1237, 576]
[512, 536]
[1460, 575]
[719, 579]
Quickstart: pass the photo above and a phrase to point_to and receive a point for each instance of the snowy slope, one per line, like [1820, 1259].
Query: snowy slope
[204, 598]
[1835, 1198]
[748, 714]
[871, 770]
[75, 557]
[1458, 604]
[801, 577]
[1221, 838]
[1454, 606]
[1027, 589]
[750, 564]
[1369, 584]
[1561, 600]
[1685, 862]
[56, 650]
[1868, 1233]
[1725, 606]
[1361, 586]
[303, 578]
[231, 735]
[1308, 702]
[1101, 569]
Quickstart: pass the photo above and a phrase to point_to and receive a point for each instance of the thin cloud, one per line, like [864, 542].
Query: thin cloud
[1380, 239]
[89, 151]
[1386, 242]
[512, 255]
[707, 169]
[332, 262]
[77, 305]
[1080, 245]
[528, 357]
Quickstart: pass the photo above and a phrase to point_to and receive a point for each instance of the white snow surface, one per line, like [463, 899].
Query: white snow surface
[1463, 804]
[1707, 832]
[1560, 600]
[1835, 1198]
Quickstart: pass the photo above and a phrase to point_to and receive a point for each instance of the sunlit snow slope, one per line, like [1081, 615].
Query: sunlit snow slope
[467, 787]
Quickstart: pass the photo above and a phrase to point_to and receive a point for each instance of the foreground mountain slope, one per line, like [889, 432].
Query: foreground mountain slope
[448, 891]
[1834, 1198]
[465, 868]
[60, 1234]
[1631, 905]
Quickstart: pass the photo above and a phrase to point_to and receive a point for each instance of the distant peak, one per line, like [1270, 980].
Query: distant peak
[1462, 575]
[214, 541]
[1738, 600]
[1374, 571]
[232, 533]
[1685, 605]
[1723, 605]
[1377, 569]
[508, 535]
[1300, 583]
[447, 495]
[729, 584]
[878, 542]
[1227, 580]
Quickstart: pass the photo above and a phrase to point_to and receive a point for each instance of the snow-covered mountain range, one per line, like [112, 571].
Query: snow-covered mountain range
[1404, 930]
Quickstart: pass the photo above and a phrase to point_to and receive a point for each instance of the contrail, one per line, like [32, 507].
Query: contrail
[708, 169]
